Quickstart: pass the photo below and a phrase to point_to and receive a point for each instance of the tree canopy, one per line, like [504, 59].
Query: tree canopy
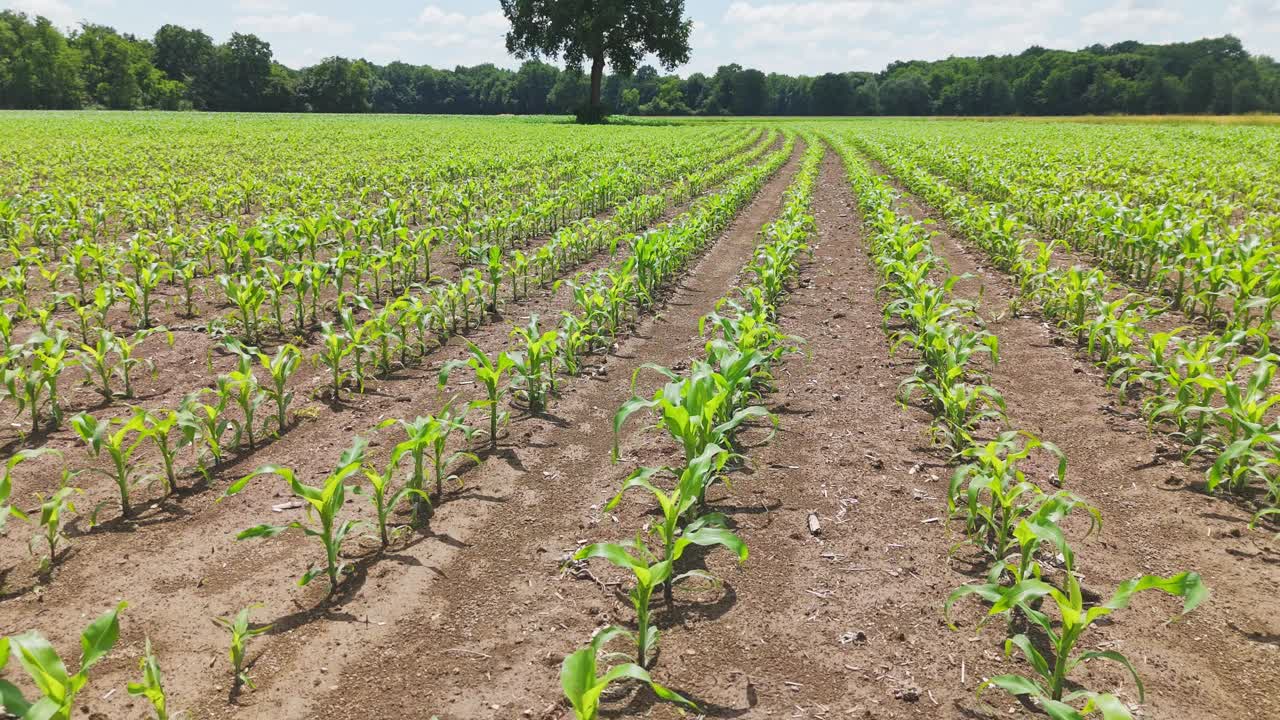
[621, 32]
[181, 68]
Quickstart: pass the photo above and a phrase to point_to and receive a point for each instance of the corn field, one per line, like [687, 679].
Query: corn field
[453, 417]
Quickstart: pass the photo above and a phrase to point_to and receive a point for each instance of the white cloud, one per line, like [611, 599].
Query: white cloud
[1016, 10]
[261, 6]
[445, 38]
[58, 12]
[1262, 11]
[1130, 17]
[489, 22]
[295, 23]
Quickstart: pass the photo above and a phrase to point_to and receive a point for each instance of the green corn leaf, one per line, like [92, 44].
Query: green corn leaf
[98, 639]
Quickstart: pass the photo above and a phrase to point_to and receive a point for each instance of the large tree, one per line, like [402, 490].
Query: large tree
[621, 32]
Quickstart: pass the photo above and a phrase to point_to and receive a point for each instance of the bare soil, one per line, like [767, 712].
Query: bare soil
[472, 619]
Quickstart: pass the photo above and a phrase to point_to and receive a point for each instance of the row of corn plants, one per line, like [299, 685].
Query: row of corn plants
[702, 411]
[1193, 247]
[1206, 390]
[1212, 266]
[525, 192]
[427, 453]
[217, 424]
[1014, 524]
[364, 263]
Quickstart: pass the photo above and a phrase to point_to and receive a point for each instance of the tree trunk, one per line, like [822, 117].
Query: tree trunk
[594, 112]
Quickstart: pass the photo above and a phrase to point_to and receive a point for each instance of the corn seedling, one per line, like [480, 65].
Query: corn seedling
[488, 372]
[324, 502]
[383, 503]
[1048, 686]
[534, 363]
[246, 293]
[991, 494]
[98, 437]
[695, 411]
[36, 384]
[152, 685]
[7, 509]
[245, 390]
[280, 368]
[241, 631]
[583, 687]
[58, 688]
[431, 434]
[51, 520]
[335, 346]
[574, 342]
[206, 424]
[159, 428]
[651, 572]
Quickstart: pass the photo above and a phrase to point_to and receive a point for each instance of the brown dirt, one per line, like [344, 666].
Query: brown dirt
[1154, 521]
[492, 640]
[195, 358]
[472, 619]
[206, 572]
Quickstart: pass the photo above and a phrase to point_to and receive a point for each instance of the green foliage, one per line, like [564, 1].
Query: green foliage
[1049, 686]
[583, 686]
[7, 509]
[324, 502]
[488, 373]
[99, 438]
[51, 520]
[58, 687]
[241, 632]
[152, 685]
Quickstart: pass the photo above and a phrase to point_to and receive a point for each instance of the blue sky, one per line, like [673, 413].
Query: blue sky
[791, 36]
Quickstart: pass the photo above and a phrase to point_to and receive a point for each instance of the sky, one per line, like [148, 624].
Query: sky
[795, 37]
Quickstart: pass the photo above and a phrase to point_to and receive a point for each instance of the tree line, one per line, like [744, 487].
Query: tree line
[184, 69]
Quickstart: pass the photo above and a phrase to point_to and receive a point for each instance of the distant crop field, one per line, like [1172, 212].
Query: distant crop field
[385, 416]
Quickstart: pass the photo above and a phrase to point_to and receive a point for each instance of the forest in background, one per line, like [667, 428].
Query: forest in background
[94, 66]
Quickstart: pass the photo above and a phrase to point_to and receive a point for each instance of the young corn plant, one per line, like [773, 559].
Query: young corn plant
[385, 502]
[246, 293]
[696, 411]
[245, 390]
[1249, 430]
[325, 502]
[98, 438]
[152, 685]
[206, 425]
[583, 686]
[651, 573]
[678, 507]
[58, 688]
[488, 373]
[280, 368]
[97, 364]
[159, 428]
[1048, 687]
[51, 520]
[534, 363]
[958, 405]
[991, 494]
[33, 383]
[241, 631]
[431, 434]
[335, 346]
[576, 340]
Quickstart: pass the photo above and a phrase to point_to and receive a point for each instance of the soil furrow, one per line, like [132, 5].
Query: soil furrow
[215, 570]
[490, 639]
[1154, 521]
